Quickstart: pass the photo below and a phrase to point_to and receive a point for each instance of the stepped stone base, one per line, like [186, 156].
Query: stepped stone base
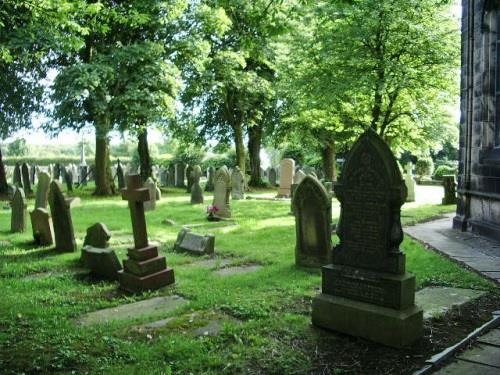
[396, 328]
[135, 284]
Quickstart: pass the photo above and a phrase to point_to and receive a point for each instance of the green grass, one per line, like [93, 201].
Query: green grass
[43, 294]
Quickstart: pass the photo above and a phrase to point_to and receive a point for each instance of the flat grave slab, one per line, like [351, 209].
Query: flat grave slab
[211, 263]
[133, 310]
[238, 269]
[436, 301]
[492, 337]
[483, 354]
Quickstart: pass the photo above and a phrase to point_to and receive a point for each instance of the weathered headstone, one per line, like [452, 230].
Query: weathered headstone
[42, 190]
[163, 176]
[180, 175]
[25, 172]
[120, 176]
[98, 235]
[366, 291]
[237, 184]
[194, 243]
[312, 207]
[33, 171]
[450, 189]
[150, 205]
[43, 231]
[287, 167]
[272, 176]
[68, 178]
[222, 192]
[83, 175]
[189, 177]
[171, 175]
[157, 193]
[60, 209]
[143, 269]
[196, 190]
[17, 178]
[410, 183]
[19, 211]
[57, 171]
[297, 179]
[210, 179]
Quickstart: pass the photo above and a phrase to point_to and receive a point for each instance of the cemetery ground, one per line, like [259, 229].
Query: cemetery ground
[248, 311]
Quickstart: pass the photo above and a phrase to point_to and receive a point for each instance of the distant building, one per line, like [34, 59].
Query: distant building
[478, 208]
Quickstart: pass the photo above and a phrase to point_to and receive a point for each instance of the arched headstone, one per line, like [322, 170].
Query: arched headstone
[25, 172]
[237, 184]
[196, 190]
[287, 169]
[19, 211]
[222, 192]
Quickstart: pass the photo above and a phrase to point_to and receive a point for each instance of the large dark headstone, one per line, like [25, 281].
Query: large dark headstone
[272, 175]
[312, 207]
[60, 209]
[171, 176]
[120, 176]
[25, 172]
[43, 231]
[210, 179]
[196, 190]
[19, 211]
[98, 235]
[180, 175]
[366, 291]
[18, 178]
[68, 178]
[189, 176]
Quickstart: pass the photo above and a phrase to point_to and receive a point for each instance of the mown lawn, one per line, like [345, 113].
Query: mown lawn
[42, 294]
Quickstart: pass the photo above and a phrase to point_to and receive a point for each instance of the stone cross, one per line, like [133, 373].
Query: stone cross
[19, 211]
[136, 195]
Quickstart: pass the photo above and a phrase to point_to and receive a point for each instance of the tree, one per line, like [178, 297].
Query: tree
[17, 147]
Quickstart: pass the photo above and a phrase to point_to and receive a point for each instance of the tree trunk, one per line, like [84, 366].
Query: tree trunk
[4, 186]
[144, 157]
[254, 145]
[328, 157]
[104, 184]
[240, 147]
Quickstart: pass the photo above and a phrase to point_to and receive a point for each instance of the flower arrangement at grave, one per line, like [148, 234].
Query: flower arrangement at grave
[211, 211]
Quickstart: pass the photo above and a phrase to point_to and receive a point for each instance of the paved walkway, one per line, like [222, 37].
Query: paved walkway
[483, 256]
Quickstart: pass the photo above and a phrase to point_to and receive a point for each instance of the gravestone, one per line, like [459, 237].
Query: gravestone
[366, 291]
[237, 184]
[287, 170]
[17, 178]
[33, 171]
[171, 176]
[194, 243]
[410, 183]
[196, 190]
[163, 176]
[158, 193]
[222, 193]
[25, 172]
[272, 176]
[312, 207]
[297, 179]
[57, 171]
[189, 177]
[60, 209]
[68, 179]
[98, 235]
[43, 231]
[83, 175]
[450, 189]
[19, 212]
[42, 191]
[143, 269]
[119, 175]
[210, 179]
[180, 175]
[150, 204]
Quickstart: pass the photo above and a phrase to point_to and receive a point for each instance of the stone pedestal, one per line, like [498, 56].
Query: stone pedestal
[145, 270]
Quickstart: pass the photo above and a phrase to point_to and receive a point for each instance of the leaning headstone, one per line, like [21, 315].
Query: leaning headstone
[196, 190]
[119, 175]
[60, 209]
[43, 231]
[17, 178]
[272, 176]
[237, 184]
[210, 179]
[366, 291]
[143, 269]
[25, 172]
[194, 243]
[312, 206]
[171, 176]
[180, 175]
[287, 168]
[98, 235]
[410, 183]
[42, 190]
[189, 177]
[19, 211]
[222, 193]
[68, 179]
[150, 204]
[450, 189]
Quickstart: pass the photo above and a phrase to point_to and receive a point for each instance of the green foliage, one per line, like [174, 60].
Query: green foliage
[17, 148]
[189, 155]
[45, 161]
[443, 170]
[218, 161]
[295, 152]
[424, 166]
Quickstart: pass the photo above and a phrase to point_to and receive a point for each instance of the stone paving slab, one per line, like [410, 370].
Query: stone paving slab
[211, 263]
[492, 338]
[238, 269]
[483, 354]
[482, 264]
[467, 368]
[436, 301]
[133, 310]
